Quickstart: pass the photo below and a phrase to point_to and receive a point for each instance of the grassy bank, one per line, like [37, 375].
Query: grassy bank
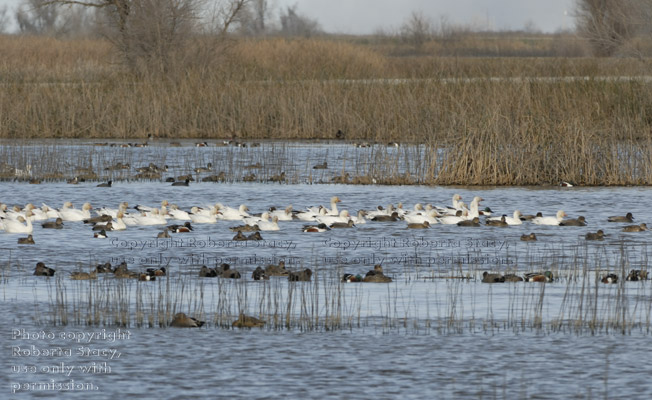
[496, 129]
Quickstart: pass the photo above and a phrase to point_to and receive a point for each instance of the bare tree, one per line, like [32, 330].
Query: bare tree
[295, 24]
[610, 24]
[417, 30]
[255, 18]
[33, 19]
[155, 36]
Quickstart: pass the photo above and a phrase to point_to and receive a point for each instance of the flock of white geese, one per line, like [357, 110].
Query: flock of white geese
[19, 219]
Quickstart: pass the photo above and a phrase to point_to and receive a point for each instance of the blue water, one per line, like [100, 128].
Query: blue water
[422, 336]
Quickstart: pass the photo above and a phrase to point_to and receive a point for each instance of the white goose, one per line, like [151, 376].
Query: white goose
[420, 218]
[251, 221]
[550, 220]
[177, 214]
[283, 215]
[152, 218]
[20, 225]
[380, 211]
[71, 214]
[331, 219]
[203, 216]
[453, 219]
[311, 215]
[473, 208]
[269, 225]
[118, 223]
[113, 212]
[233, 214]
[332, 211]
[515, 220]
[359, 218]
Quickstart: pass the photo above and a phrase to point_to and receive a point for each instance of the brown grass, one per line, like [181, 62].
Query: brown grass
[510, 130]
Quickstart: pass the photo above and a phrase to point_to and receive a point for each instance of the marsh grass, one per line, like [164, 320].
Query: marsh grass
[576, 303]
[487, 121]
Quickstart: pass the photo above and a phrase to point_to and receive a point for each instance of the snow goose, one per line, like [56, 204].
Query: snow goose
[283, 215]
[119, 224]
[310, 215]
[233, 214]
[419, 218]
[252, 220]
[269, 225]
[473, 208]
[68, 213]
[198, 217]
[452, 219]
[556, 220]
[331, 219]
[380, 211]
[359, 218]
[515, 220]
[20, 225]
[177, 214]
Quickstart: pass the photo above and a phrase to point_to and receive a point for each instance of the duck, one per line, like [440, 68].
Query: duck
[416, 225]
[547, 276]
[56, 224]
[259, 274]
[103, 227]
[497, 222]
[513, 278]
[164, 234]
[245, 321]
[474, 222]
[276, 269]
[27, 240]
[205, 272]
[239, 237]
[245, 228]
[100, 235]
[315, 228]
[181, 320]
[336, 225]
[556, 220]
[323, 165]
[635, 228]
[225, 271]
[599, 235]
[185, 228]
[300, 276]
[636, 275]
[619, 218]
[579, 221]
[492, 278]
[42, 270]
[156, 271]
[105, 184]
[104, 268]
[81, 276]
[386, 218]
[207, 168]
[255, 236]
[530, 217]
[609, 278]
[181, 183]
[377, 275]
[98, 219]
[529, 238]
[352, 278]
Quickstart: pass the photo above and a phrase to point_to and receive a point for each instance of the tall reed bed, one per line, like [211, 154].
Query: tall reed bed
[576, 303]
[492, 129]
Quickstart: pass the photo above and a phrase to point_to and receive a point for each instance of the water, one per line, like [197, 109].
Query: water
[419, 337]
